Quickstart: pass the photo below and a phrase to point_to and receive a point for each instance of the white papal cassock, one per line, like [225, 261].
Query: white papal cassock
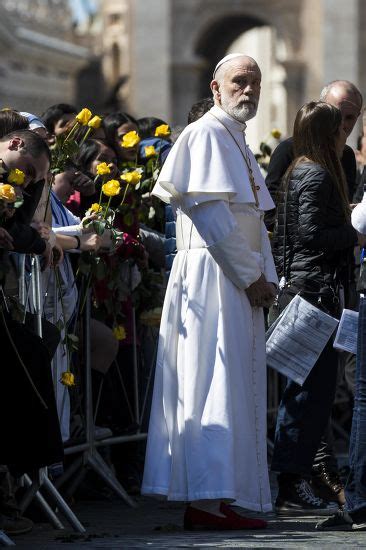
[207, 434]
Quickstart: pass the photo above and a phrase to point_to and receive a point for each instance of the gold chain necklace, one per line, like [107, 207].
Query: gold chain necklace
[253, 185]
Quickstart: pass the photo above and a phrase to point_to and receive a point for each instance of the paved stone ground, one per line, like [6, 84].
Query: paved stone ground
[157, 524]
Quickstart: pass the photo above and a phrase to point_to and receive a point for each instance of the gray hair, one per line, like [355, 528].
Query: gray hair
[346, 84]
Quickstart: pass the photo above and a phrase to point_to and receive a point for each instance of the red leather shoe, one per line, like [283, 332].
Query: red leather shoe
[252, 523]
[199, 519]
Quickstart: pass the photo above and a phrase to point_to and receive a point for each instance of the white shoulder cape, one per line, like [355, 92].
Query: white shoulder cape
[205, 164]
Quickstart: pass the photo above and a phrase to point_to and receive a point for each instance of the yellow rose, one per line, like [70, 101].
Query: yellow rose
[162, 131]
[276, 133]
[95, 122]
[131, 177]
[16, 177]
[111, 188]
[150, 151]
[95, 207]
[67, 379]
[119, 332]
[103, 168]
[84, 116]
[7, 193]
[130, 139]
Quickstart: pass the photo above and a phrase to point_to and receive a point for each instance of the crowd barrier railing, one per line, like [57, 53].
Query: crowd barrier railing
[31, 286]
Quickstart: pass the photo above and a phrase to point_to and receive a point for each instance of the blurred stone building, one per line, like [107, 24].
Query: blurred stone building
[39, 55]
[169, 48]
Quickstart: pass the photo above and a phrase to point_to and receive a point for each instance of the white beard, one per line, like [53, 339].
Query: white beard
[242, 112]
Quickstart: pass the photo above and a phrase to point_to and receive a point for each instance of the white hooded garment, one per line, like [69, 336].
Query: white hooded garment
[207, 434]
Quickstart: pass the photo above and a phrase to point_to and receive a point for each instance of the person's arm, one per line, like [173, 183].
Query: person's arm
[349, 165]
[269, 265]
[87, 242]
[315, 192]
[281, 159]
[26, 240]
[227, 245]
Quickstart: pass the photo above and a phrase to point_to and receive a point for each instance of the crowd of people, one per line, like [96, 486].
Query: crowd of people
[82, 196]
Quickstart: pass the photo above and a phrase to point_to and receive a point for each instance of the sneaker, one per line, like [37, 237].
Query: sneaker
[327, 485]
[341, 521]
[16, 525]
[359, 519]
[298, 498]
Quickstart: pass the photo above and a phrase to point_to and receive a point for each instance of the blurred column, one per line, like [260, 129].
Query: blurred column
[150, 58]
[341, 43]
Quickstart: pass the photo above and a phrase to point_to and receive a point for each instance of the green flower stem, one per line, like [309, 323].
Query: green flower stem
[88, 281]
[59, 288]
[72, 131]
[106, 210]
[48, 196]
[86, 135]
[124, 194]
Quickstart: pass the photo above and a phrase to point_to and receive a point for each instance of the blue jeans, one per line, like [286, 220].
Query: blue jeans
[303, 416]
[356, 483]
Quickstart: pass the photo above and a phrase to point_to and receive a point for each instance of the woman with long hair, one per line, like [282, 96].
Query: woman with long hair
[312, 244]
[116, 125]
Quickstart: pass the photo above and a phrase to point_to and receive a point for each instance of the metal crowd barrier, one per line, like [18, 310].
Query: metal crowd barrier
[90, 457]
[31, 286]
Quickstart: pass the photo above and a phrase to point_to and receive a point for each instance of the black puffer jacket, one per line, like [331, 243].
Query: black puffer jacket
[319, 240]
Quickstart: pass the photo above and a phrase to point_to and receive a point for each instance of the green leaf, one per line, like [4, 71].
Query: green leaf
[99, 226]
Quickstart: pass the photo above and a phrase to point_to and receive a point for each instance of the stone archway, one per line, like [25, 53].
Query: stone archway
[322, 42]
[198, 44]
[215, 40]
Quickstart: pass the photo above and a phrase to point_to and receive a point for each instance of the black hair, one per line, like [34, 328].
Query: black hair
[34, 144]
[11, 120]
[199, 108]
[53, 114]
[148, 125]
[113, 121]
[88, 151]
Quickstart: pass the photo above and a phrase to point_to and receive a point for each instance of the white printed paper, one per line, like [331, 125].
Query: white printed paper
[346, 337]
[299, 337]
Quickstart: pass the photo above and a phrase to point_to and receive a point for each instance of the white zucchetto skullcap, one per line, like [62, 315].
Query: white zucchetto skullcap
[227, 58]
[359, 217]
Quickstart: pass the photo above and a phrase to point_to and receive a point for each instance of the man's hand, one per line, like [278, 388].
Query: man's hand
[106, 239]
[83, 184]
[6, 240]
[90, 242]
[46, 257]
[261, 293]
[87, 225]
[43, 229]
[58, 255]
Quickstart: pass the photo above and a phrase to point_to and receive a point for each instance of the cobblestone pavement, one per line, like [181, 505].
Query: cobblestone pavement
[157, 524]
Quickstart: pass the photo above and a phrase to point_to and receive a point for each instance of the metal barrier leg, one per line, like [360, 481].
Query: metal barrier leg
[42, 478]
[91, 457]
[43, 504]
[63, 507]
[100, 467]
[4, 540]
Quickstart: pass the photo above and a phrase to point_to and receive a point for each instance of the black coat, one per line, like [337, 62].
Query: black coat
[281, 159]
[319, 239]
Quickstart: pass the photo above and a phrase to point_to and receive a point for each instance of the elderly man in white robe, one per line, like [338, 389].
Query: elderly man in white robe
[207, 434]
